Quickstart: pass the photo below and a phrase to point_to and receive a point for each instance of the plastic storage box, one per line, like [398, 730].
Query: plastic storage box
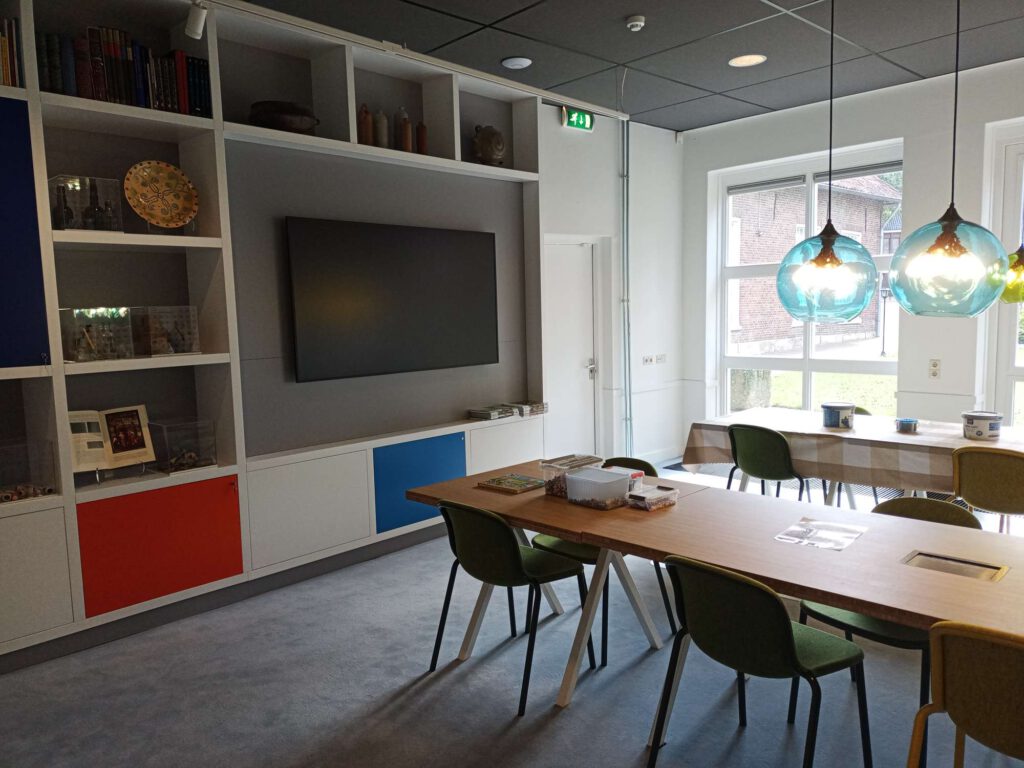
[181, 445]
[96, 333]
[160, 331]
[598, 488]
[555, 469]
[85, 202]
[26, 470]
[651, 497]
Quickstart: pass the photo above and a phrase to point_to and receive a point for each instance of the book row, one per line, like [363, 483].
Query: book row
[106, 65]
[11, 70]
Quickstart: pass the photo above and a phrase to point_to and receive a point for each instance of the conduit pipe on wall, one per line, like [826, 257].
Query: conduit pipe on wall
[627, 369]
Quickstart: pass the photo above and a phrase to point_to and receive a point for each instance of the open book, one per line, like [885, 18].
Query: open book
[109, 439]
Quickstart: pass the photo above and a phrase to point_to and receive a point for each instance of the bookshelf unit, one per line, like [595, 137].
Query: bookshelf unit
[254, 54]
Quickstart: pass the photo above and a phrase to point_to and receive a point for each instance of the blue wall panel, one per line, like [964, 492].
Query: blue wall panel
[396, 468]
[23, 340]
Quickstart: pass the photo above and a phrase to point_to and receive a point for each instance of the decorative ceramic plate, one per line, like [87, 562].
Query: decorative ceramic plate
[161, 194]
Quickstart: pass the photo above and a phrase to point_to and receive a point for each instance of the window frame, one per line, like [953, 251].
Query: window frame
[1009, 211]
[852, 162]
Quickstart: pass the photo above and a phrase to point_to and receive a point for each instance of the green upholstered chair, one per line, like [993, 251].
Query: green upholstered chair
[887, 632]
[587, 554]
[487, 549]
[743, 625]
[763, 454]
[989, 479]
[976, 674]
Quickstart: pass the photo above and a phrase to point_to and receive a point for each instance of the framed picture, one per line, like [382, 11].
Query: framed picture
[126, 438]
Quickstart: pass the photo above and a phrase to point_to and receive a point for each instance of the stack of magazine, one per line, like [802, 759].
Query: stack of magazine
[488, 412]
[528, 408]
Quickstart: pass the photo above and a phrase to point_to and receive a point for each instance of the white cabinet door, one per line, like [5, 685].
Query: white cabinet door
[302, 508]
[35, 586]
[505, 444]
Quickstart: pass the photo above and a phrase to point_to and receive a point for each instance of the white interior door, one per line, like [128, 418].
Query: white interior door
[570, 364]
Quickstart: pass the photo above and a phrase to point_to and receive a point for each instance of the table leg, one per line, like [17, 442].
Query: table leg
[474, 623]
[671, 694]
[744, 481]
[639, 606]
[579, 643]
[546, 589]
[849, 495]
[830, 497]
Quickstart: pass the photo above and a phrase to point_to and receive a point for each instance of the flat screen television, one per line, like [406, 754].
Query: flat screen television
[371, 299]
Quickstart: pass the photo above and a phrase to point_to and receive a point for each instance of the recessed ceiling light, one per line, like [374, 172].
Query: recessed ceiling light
[516, 62]
[748, 60]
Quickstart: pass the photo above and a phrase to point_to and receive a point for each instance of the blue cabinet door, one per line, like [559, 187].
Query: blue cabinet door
[399, 467]
[23, 307]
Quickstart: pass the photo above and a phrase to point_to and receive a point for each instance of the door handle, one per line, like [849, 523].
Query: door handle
[591, 367]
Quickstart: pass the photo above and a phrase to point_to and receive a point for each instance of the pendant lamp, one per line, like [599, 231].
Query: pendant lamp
[951, 267]
[1013, 293]
[827, 278]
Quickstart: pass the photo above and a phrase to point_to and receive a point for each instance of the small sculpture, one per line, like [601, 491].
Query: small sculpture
[381, 138]
[283, 116]
[489, 145]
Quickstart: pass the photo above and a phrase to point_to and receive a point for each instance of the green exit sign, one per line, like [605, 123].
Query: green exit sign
[577, 118]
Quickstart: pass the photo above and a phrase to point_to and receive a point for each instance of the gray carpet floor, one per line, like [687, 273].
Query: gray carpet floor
[332, 672]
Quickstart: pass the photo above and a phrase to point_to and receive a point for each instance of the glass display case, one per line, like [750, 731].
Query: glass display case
[96, 333]
[164, 331]
[181, 444]
[26, 470]
[85, 202]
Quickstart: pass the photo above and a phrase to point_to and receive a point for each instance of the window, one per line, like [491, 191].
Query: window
[1009, 385]
[770, 359]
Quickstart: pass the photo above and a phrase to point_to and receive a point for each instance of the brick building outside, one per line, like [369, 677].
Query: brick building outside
[764, 225]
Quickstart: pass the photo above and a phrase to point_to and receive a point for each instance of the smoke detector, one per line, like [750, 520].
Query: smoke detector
[635, 23]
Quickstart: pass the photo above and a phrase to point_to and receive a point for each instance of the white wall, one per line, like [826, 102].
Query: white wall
[581, 183]
[919, 114]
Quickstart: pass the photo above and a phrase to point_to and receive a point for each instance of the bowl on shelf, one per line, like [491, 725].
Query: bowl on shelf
[283, 116]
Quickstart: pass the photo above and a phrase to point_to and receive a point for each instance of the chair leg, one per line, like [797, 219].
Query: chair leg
[839, 495]
[534, 617]
[778, 489]
[958, 748]
[853, 670]
[862, 710]
[582, 582]
[661, 721]
[512, 611]
[604, 625]
[812, 723]
[728, 483]
[665, 598]
[874, 492]
[741, 697]
[444, 615]
[800, 492]
[529, 610]
[917, 736]
[926, 670]
[794, 690]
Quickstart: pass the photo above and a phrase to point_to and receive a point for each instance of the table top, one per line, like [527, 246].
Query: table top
[872, 453]
[737, 531]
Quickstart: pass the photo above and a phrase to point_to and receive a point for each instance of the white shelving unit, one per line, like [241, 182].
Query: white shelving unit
[254, 53]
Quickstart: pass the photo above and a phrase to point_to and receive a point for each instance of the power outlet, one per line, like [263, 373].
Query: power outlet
[661, 358]
[648, 359]
[934, 368]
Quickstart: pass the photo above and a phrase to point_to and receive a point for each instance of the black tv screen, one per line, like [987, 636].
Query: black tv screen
[372, 299]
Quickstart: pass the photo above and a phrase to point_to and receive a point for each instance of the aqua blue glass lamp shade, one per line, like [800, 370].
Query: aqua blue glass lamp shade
[827, 278]
[949, 268]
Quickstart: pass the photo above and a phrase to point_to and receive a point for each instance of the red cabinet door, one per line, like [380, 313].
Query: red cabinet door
[145, 545]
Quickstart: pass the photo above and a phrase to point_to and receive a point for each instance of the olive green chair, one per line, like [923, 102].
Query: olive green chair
[976, 680]
[989, 479]
[764, 454]
[743, 625]
[587, 554]
[487, 548]
[887, 632]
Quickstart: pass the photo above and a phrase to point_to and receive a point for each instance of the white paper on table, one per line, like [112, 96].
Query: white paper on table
[821, 533]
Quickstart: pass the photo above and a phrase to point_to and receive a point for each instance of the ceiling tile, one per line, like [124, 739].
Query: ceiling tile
[484, 51]
[698, 113]
[640, 92]
[854, 76]
[790, 45]
[978, 47]
[598, 27]
[392, 20]
[880, 25]
[486, 13]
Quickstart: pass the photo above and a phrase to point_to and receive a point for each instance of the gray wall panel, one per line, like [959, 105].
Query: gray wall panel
[266, 185]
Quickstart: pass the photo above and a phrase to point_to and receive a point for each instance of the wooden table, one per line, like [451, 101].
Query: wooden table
[872, 453]
[737, 531]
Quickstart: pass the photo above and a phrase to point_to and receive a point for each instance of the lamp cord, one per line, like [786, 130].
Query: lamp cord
[956, 97]
[831, 87]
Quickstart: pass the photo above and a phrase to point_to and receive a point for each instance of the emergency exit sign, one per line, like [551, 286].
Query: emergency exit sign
[579, 119]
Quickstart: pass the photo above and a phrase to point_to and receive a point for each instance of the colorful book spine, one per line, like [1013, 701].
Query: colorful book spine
[5, 68]
[67, 65]
[98, 64]
[83, 68]
[42, 62]
[53, 62]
